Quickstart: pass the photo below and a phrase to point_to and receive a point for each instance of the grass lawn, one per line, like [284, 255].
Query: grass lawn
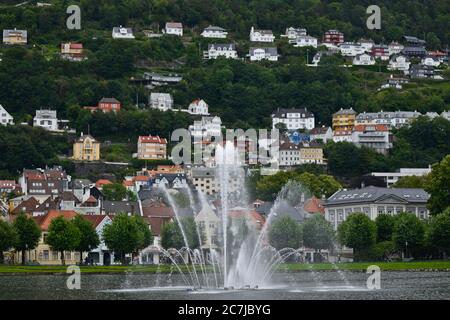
[354, 266]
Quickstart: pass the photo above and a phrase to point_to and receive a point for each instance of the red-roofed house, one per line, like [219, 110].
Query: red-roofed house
[72, 51]
[101, 182]
[106, 105]
[238, 213]
[151, 148]
[314, 205]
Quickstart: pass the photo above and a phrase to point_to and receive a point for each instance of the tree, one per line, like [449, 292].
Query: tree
[88, 236]
[438, 185]
[439, 233]
[125, 235]
[385, 227]
[8, 238]
[409, 233]
[63, 235]
[358, 232]
[318, 233]
[114, 192]
[410, 182]
[172, 237]
[285, 233]
[28, 234]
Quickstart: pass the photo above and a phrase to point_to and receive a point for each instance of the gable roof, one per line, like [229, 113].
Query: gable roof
[174, 25]
[272, 51]
[282, 112]
[116, 207]
[27, 206]
[109, 100]
[45, 220]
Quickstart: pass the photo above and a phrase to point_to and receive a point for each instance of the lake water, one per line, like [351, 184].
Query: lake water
[296, 286]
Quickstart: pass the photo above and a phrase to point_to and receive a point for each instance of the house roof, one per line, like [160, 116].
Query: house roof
[174, 25]
[272, 51]
[47, 205]
[214, 28]
[345, 112]
[101, 182]
[116, 207]
[73, 45]
[45, 220]
[7, 184]
[14, 32]
[27, 206]
[109, 100]
[68, 196]
[83, 137]
[119, 29]
[376, 127]
[96, 219]
[373, 194]
[152, 139]
[319, 130]
[156, 209]
[314, 205]
[222, 46]
[282, 112]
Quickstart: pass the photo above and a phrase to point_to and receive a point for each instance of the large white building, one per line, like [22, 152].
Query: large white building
[258, 54]
[221, 50]
[175, 28]
[305, 41]
[161, 101]
[399, 62]
[392, 177]
[294, 119]
[206, 127]
[214, 32]
[198, 106]
[374, 201]
[261, 35]
[394, 119]
[351, 49]
[46, 119]
[376, 137]
[122, 33]
[5, 117]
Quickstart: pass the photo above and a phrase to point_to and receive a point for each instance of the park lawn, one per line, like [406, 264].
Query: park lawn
[362, 266]
[290, 267]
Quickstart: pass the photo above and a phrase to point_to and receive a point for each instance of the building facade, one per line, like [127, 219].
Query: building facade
[174, 28]
[86, 148]
[198, 106]
[15, 37]
[152, 148]
[46, 119]
[294, 119]
[5, 117]
[344, 120]
[221, 50]
[258, 54]
[122, 33]
[214, 32]
[161, 101]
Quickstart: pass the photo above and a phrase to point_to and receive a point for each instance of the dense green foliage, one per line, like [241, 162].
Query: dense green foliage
[172, 236]
[409, 233]
[126, 234]
[438, 185]
[385, 227]
[88, 236]
[28, 234]
[63, 235]
[285, 233]
[358, 232]
[439, 233]
[318, 233]
[8, 238]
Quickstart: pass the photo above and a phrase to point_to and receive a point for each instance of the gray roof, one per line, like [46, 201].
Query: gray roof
[115, 207]
[283, 208]
[214, 28]
[282, 112]
[109, 100]
[170, 177]
[79, 183]
[272, 51]
[117, 30]
[374, 194]
[202, 172]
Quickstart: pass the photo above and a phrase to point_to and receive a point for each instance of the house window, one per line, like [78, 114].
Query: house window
[55, 255]
[46, 255]
[68, 255]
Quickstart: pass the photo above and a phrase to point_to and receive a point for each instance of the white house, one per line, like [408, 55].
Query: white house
[294, 33]
[221, 50]
[101, 255]
[366, 44]
[122, 33]
[289, 154]
[305, 41]
[261, 35]
[46, 119]
[431, 61]
[258, 54]
[214, 32]
[207, 127]
[399, 62]
[395, 48]
[175, 28]
[446, 115]
[161, 101]
[342, 136]
[351, 49]
[198, 106]
[363, 60]
[294, 119]
[5, 117]
[321, 133]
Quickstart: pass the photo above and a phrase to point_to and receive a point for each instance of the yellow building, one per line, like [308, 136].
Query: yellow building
[86, 148]
[311, 153]
[15, 37]
[344, 120]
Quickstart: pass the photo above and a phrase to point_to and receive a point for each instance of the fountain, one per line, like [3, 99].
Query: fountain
[240, 257]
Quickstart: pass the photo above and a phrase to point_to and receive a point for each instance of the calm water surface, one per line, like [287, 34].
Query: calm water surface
[297, 286]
